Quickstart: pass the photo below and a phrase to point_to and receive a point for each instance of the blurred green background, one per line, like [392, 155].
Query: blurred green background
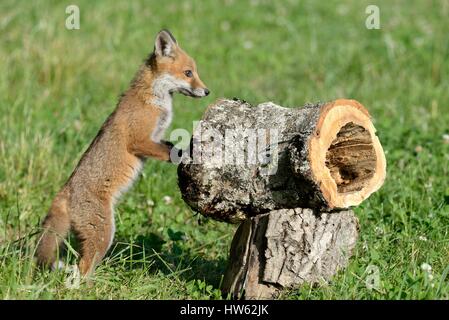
[57, 86]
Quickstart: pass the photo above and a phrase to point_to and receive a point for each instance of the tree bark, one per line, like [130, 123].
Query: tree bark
[248, 160]
[286, 248]
[288, 175]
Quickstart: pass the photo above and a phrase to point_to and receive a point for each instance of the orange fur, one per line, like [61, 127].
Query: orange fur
[113, 160]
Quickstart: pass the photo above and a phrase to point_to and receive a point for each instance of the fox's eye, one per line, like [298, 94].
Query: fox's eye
[188, 73]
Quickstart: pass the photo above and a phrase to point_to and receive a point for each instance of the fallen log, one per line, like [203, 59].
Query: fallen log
[322, 156]
[290, 175]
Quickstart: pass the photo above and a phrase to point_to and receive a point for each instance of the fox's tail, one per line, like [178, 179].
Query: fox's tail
[55, 227]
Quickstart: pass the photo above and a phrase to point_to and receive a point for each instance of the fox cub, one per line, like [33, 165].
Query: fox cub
[133, 132]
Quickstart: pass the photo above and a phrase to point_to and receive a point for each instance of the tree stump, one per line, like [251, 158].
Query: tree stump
[288, 247]
[289, 175]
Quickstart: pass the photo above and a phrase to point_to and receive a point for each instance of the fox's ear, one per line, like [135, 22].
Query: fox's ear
[165, 44]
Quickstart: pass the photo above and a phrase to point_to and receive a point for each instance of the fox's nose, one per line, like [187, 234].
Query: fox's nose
[206, 92]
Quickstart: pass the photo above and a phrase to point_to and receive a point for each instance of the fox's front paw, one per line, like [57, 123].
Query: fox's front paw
[175, 154]
[169, 149]
[168, 144]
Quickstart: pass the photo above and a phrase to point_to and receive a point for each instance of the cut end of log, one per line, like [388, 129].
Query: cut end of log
[346, 158]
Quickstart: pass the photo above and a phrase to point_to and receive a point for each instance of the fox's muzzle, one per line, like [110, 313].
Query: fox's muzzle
[195, 93]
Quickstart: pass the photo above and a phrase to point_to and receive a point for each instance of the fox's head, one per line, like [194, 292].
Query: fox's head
[173, 69]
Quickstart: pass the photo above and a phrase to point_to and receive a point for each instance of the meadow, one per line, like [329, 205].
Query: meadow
[57, 86]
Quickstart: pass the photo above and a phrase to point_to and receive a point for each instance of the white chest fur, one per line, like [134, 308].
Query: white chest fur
[163, 122]
[163, 87]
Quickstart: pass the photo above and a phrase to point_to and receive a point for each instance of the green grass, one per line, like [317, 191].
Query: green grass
[57, 86]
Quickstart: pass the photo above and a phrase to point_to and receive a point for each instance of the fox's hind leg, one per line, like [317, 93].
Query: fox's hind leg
[95, 233]
[56, 226]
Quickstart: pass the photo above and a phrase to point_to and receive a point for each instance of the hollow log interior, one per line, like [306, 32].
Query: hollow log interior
[351, 158]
